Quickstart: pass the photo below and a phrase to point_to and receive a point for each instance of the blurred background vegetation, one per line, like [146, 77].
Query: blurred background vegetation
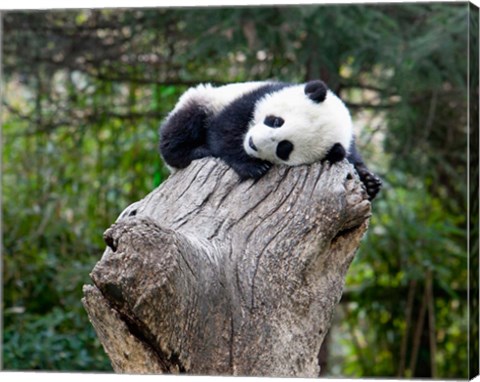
[84, 92]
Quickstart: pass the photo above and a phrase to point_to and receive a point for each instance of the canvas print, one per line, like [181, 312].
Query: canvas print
[281, 191]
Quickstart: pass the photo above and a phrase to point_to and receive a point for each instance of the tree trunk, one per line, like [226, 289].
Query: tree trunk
[209, 275]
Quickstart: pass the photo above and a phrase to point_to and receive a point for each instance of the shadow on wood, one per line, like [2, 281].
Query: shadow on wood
[209, 275]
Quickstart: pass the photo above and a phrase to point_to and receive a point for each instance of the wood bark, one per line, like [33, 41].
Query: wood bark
[209, 275]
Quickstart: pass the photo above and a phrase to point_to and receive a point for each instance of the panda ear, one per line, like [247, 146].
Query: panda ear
[316, 90]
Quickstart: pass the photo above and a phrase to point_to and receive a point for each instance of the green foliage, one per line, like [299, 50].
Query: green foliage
[84, 94]
[62, 340]
[61, 190]
[411, 234]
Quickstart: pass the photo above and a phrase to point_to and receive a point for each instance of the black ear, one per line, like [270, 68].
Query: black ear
[316, 90]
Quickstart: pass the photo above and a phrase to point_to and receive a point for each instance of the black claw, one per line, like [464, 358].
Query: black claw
[372, 182]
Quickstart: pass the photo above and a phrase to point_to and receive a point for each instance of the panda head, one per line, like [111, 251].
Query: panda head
[299, 124]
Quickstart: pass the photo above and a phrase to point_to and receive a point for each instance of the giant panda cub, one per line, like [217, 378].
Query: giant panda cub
[253, 125]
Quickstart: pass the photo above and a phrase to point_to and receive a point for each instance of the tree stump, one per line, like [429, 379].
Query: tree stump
[209, 275]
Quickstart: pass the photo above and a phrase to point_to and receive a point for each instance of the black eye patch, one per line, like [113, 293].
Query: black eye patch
[284, 149]
[274, 122]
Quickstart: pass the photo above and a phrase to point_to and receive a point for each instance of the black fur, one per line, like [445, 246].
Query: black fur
[183, 137]
[274, 122]
[370, 180]
[194, 133]
[284, 149]
[336, 153]
[316, 90]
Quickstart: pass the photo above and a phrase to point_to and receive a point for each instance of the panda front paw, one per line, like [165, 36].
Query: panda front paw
[252, 170]
[372, 183]
[261, 170]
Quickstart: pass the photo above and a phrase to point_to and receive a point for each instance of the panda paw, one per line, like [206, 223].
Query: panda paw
[252, 170]
[373, 184]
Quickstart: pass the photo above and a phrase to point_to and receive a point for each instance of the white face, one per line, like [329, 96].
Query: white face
[289, 128]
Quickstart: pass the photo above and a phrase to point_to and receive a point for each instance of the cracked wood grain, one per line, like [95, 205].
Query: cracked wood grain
[209, 275]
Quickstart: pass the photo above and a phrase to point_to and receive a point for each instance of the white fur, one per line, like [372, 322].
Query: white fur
[214, 99]
[312, 127]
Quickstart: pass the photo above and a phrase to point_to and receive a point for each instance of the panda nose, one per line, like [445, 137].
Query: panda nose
[251, 144]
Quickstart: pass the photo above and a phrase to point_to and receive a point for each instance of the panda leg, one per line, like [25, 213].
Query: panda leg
[372, 183]
[183, 136]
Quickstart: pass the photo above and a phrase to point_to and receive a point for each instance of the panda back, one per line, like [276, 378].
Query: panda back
[213, 99]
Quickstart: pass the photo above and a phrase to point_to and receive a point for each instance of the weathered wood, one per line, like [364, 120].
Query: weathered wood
[209, 275]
